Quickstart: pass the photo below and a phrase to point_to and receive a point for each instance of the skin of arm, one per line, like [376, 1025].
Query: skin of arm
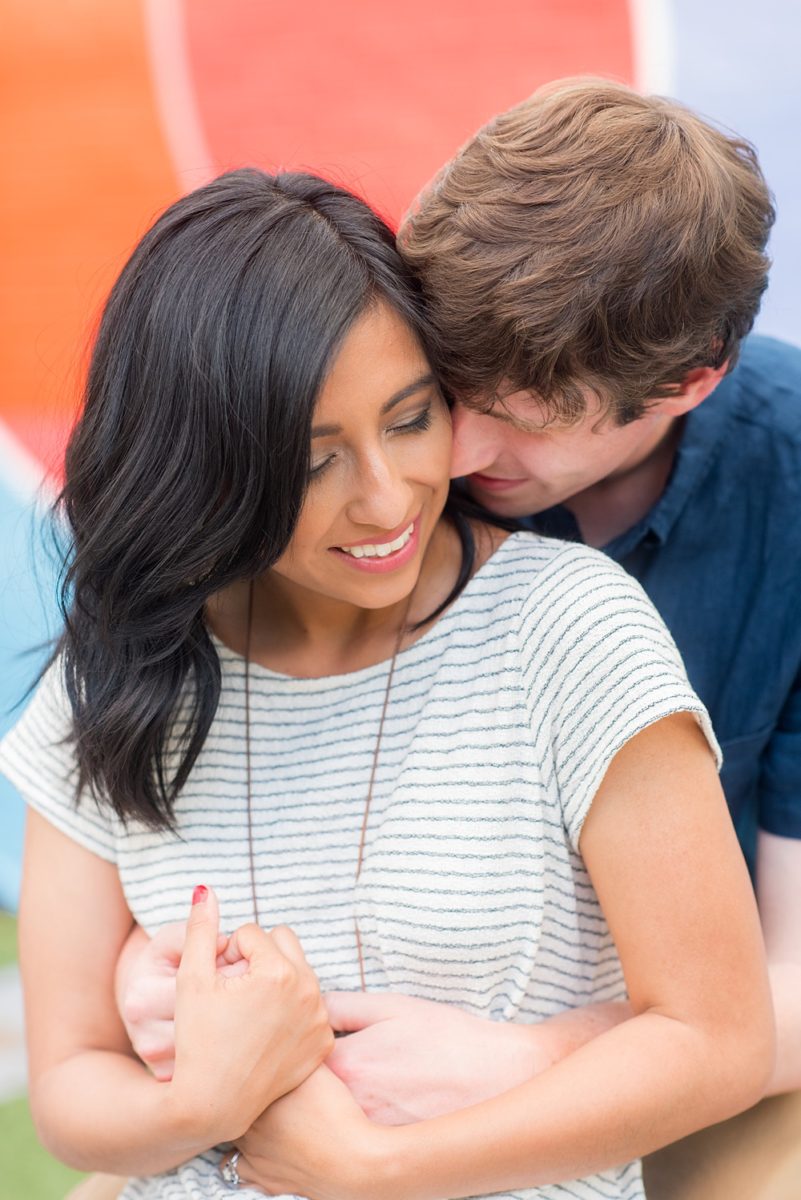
[699, 1047]
[409, 1059]
[94, 1104]
[448, 1061]
[406, 1059]
[778, 886]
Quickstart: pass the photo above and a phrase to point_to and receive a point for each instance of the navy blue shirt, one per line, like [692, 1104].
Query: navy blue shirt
[720, 556]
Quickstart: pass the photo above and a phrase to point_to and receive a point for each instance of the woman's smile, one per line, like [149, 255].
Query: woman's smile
[382, 554]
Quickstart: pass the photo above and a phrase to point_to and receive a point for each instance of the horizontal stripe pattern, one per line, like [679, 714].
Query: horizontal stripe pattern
[502, 721]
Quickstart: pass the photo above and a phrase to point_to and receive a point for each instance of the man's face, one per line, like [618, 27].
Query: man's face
[517, 464]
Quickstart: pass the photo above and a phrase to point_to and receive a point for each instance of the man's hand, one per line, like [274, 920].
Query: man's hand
[407, 1060]
[145, 990]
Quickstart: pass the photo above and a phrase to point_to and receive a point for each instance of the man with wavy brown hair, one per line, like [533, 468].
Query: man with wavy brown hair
[593, 260]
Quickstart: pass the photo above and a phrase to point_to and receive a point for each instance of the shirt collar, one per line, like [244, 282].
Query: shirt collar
[701, 443]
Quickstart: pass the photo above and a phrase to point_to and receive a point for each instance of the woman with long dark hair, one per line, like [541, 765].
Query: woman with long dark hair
[298, 679]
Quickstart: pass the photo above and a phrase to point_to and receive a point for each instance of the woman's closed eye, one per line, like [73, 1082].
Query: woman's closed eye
[416, 424]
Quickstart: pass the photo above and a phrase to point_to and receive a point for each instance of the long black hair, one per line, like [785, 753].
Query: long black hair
[188, 467]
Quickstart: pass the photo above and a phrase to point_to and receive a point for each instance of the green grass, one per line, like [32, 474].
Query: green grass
[27, 1172]
[8, 939]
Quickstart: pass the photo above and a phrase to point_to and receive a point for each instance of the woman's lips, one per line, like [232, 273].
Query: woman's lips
[492, 483]
[375, 565]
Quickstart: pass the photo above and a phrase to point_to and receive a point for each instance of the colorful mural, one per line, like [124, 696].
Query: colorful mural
[111, 110]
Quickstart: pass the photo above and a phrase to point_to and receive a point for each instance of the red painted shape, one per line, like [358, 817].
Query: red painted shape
[377, 95]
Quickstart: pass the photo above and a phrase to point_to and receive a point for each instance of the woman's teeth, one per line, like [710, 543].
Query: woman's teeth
[380, 551]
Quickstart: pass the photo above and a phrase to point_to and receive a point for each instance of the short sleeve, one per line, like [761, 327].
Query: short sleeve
[780, 776]
[38, 759]
[602, 662]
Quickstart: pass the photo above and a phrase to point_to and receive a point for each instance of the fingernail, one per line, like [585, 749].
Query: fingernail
[200, 893]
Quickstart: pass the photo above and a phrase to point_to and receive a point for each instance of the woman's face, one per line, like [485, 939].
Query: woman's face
[380, 457]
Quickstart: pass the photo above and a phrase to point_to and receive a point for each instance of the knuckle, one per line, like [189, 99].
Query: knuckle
[251, 929]
[132, 1008]
[287, 941]
[154, 1052]
[282, 974]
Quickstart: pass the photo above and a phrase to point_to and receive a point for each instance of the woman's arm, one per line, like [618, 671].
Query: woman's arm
[665, 863]
[405, 1059]
[241, 1042]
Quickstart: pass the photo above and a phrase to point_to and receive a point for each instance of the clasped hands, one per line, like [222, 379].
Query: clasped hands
[323, 1132]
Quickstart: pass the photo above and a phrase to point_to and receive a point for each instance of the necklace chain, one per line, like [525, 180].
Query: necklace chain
[374, 766]
[248, 767]
[368, 802]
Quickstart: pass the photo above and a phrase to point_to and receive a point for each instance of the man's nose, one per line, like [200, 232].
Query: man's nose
[474, 441]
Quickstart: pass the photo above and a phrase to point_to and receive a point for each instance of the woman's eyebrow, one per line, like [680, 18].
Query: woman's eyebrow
[422, 382]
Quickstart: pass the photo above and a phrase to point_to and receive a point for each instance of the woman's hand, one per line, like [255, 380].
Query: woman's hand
[242, 1042]
[145, 986]
[315, 1142]
[407, 1059]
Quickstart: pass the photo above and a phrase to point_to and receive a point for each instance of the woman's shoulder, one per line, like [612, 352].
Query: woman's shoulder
[38, 758]
[537, 568]
[559, 598]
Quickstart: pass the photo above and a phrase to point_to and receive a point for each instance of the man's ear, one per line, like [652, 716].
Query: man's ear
[694, 387]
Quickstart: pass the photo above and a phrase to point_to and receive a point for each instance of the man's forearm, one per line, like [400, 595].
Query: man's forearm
[785, 982]
[778, 887]
[554, 1038]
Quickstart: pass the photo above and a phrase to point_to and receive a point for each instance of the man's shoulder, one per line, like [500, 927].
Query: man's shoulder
[767, 384]
[772, 358]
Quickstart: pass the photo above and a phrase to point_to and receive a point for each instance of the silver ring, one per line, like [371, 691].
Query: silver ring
[229, 1171]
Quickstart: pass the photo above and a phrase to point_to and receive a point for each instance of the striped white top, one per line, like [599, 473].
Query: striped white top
[503, 719]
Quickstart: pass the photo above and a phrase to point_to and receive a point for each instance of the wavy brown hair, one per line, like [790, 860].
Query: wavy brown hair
[591, 239]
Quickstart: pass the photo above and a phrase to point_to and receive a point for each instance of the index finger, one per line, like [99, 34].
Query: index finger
[200, 948]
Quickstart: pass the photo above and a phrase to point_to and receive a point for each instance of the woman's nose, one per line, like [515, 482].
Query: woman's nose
[474, 441]
[385, 497]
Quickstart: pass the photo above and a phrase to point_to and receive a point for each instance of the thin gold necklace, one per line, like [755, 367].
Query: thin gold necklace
[373, 768]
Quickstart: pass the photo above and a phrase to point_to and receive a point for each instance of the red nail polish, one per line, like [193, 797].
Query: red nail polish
[200, 893]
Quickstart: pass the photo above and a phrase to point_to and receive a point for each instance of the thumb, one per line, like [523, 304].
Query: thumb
[200, 949]
[348, 1012]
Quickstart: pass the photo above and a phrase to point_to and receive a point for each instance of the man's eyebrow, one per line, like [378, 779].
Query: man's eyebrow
[423, 381]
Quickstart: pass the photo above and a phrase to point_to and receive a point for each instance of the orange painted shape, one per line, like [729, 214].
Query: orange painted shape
[379, 95]
[88, 169]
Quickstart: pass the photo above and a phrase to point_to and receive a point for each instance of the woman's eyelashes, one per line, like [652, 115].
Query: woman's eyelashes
[417, 424]
[420, 422]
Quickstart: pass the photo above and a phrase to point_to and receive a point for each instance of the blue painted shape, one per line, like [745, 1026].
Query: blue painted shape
[28, 616]
[737, 62]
